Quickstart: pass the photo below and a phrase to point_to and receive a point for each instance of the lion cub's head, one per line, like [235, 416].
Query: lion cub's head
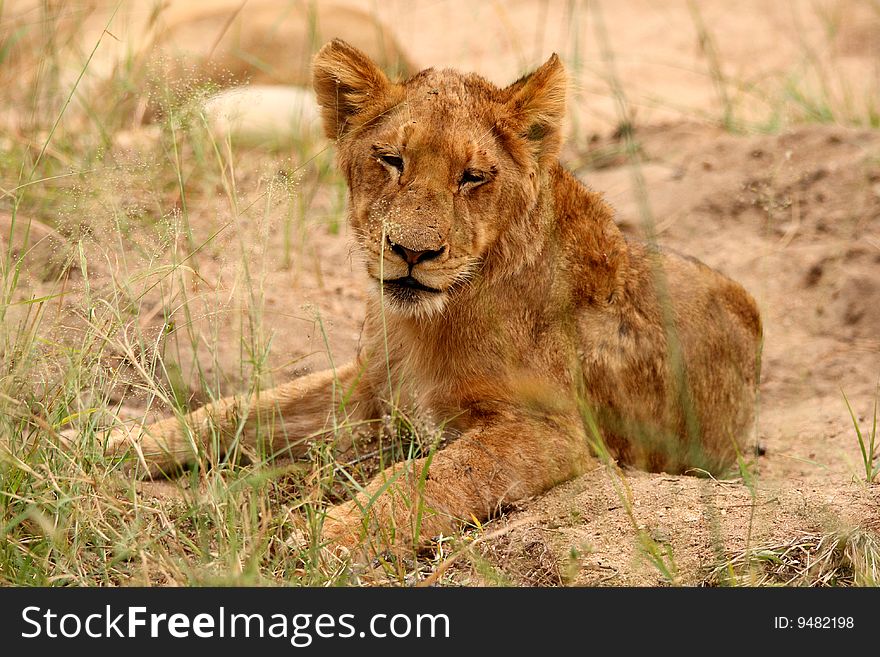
[444, 170]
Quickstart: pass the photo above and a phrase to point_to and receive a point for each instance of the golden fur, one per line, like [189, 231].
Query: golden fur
[506, 306]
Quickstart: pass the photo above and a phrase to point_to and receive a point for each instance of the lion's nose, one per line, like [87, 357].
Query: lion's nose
[415, 257]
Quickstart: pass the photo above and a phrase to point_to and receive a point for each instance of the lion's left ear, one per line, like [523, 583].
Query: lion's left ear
[351, 89]
[536, 107]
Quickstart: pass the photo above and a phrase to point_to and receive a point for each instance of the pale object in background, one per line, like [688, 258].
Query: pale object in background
[256, 115]
[262, 41]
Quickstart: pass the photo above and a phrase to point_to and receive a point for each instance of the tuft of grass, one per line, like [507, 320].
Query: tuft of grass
[850, 558]
[710, 50]
[867, 442]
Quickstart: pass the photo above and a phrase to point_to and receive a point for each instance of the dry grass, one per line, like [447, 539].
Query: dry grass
[832, 559]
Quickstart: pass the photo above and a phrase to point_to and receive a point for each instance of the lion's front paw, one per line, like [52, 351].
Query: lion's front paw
[117, 441]
[123, 439]
[300, 539]
[127, 443]
[343, 526]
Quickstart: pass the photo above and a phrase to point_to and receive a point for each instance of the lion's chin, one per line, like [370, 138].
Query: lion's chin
[407, 301]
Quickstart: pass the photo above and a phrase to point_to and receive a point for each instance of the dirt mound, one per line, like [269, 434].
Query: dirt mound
[808, 202]
[636, 529]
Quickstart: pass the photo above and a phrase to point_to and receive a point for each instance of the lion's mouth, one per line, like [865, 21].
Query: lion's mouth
[410, 297]
[407, 283]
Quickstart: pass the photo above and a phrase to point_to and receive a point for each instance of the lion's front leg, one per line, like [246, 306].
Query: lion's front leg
[285, 419]
[506, 458]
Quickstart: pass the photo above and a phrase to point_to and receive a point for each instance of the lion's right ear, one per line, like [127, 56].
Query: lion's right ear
[350, 88]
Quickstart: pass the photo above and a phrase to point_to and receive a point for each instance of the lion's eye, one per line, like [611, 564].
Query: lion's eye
[472, 177]
[394, 161]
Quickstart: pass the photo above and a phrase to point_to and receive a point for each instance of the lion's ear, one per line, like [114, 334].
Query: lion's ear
[536, 106]
[348, 86]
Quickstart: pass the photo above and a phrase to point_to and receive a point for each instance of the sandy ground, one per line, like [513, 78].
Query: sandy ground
[793, 215]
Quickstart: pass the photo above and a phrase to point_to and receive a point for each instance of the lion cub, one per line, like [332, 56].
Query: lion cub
[506, 306]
